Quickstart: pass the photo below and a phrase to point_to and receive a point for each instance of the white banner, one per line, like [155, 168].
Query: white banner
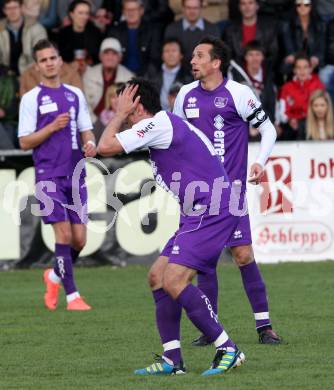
[292, 211]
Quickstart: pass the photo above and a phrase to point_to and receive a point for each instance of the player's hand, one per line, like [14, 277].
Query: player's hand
[125, 103]
[255, 174]
[90, 149]
[61, 121]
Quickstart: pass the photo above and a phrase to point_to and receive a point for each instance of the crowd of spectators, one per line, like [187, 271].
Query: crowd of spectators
[282, 49]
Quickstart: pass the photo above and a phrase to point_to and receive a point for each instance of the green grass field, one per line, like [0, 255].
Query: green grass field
[99, 350]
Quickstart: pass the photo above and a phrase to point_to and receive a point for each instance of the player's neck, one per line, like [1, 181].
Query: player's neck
[51, 83]
[212, 83]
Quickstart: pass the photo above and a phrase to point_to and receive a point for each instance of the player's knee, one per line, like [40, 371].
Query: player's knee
[79, 243]
[243, 256]
[64, 236]
[172, 284]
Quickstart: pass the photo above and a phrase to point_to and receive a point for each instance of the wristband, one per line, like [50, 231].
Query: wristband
[92, 143]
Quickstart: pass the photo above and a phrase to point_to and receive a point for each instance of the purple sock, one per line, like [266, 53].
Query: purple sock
[256, 292]
[168, 317]
[200, 313]
[63, 267]
[74, 255]
[208, 283]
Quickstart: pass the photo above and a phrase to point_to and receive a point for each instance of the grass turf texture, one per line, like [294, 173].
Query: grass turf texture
[100, 349]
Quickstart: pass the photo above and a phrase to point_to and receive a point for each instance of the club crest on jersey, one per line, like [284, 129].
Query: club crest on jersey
[70, 96]
[220, 102]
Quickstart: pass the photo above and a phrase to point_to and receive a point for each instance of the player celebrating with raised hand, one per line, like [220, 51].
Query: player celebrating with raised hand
[54, 122]
[224, 109]
[206, 223]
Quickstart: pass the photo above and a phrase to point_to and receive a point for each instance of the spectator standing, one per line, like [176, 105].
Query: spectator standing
[98, 78]
[171, 70]
[43, 11]
[251, 27]
[63, 6]
[17, 37]
[304, 32]
[81, 39]
[294, 99]
[140, 41]
[191, 28]
[320, 120]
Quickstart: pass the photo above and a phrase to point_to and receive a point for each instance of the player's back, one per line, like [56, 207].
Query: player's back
[191, 161]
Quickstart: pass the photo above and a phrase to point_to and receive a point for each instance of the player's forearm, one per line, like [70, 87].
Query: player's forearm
[268, 138]
[33, 140]
[87, 136]
[108, 144]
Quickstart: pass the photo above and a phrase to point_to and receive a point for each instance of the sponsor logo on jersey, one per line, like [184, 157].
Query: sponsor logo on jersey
[220, 102]
[70, 96]
[46, 99]
[251, 104]
[237, 234]
[192, 112]
[176, 250]
[192, 102]
[141, 133]
[74, 128]
[218, 122]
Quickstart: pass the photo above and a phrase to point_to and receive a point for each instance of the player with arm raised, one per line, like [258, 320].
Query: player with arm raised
[205, 225]
[54, 122]
[223, 109]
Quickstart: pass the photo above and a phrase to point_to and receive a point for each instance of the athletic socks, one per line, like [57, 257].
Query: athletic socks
[63, 268]
[208, 284]
[256, 292]
[168, 317]
[201, 314]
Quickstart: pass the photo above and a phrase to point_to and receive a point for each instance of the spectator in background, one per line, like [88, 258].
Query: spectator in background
[17, 37]
[327, 72]
[30, 78]
[141, 42]
[251, 27]
[173, 91]
[43, 11]
[8, 109]
[110, 104]
[191, 28]
[276, 9]
[256, 74]
[325, 9]
[303, 32]
[97, 79]
[171, 70]
[63, 5]
[294, 98]
[102, 20]
[80, 40]
[320, 120]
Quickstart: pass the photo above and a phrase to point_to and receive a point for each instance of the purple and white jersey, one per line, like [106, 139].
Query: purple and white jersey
[223, 115]
[183, 160]
[58, 155]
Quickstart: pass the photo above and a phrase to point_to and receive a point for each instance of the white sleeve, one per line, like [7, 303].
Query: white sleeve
[268, 138]
[178, 105]
[28, 114]
[154, 132]
[84, 121]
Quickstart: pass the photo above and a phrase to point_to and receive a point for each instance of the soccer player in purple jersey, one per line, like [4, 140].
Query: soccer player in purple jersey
[206, 222]
[224, 109]
[55, 123]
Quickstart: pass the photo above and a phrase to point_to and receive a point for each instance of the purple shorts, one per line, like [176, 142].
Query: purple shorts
[198, 242]
[62, 200]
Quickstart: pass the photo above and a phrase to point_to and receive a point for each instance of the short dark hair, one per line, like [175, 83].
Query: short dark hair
[301, 56]
[253, 45]
[149, 95]
[75, 3]
[41, 45]
[10, 1]
[173, 40]
[219, 51]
